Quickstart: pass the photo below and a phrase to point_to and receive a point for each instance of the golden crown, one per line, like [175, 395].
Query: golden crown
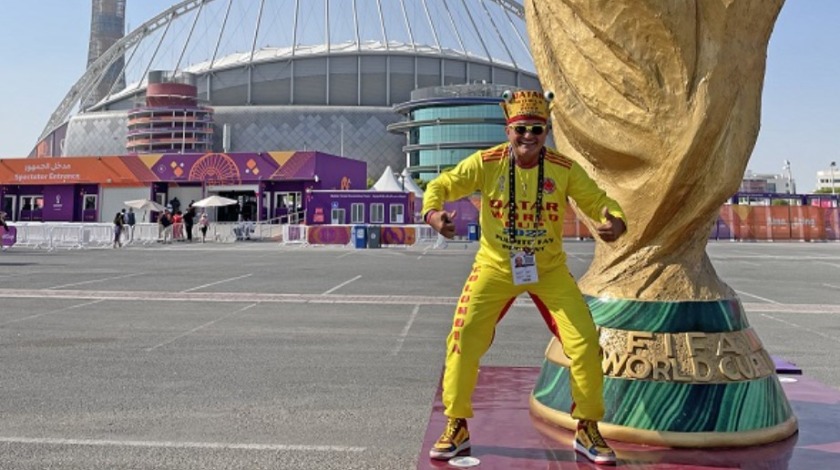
[525, 105]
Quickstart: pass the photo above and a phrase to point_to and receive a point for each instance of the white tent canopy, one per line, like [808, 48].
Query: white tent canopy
[215, 201]
[410, 185]
[144, 205]
[388, 182]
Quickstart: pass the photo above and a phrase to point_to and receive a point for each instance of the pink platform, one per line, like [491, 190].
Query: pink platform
[505, 436]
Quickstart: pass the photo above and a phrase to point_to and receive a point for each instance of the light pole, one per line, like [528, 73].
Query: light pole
[831, 166]
[437, 131]
[786, 169]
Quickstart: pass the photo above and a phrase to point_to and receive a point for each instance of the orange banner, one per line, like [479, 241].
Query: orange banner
[106, 171]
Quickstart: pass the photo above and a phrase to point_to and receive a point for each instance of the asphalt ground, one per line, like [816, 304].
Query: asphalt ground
[257, 356]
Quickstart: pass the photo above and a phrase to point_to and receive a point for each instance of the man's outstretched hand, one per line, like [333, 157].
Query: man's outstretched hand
[443, 222]
[610, 230]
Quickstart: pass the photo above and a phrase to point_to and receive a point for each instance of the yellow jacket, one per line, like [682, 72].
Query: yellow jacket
[488, 170]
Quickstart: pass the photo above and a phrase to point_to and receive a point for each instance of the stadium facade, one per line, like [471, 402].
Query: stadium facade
[331, 76]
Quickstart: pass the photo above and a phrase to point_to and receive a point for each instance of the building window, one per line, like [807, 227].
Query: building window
[357, 213]
[90, 202]
[291, 201]
[377, 213]
[337, 216]
[31, 203]
[396, 213]
[9, 205]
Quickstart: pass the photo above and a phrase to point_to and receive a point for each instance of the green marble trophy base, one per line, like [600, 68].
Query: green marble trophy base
[678, 374]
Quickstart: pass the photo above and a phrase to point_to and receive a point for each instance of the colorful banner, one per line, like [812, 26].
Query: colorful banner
[9, 236]
[328, 235]
[398, 235]
[831, 223]
[212, 168]
[805, 223]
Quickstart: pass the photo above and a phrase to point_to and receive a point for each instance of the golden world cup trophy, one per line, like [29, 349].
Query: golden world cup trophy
[660, 101]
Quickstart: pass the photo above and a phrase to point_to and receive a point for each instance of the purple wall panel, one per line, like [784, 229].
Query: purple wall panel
[340, 173]
[59, 203]
[319, 204]
[466, 213]
[227, 168]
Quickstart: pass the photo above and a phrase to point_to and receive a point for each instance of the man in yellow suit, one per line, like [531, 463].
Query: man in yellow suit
[524, 189]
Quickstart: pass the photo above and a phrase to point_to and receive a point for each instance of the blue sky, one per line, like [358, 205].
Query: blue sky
[42, 56]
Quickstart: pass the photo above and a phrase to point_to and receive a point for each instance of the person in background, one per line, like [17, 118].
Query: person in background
[5, 227]
[166, 226]
[130, 221]
[524, 189]
[203, 223]
[189, 221]
[248, 228]
[118, 227]
[124, 232]
[176, 204]
[177, 226]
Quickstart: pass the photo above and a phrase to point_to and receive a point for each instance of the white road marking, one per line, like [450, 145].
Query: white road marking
[792, 308]
[722, 257]
[832, 286]
[200, 327]
[404, 333]
[219, 282]
[757, 297]
[748, 262]
[8, 276]
[342, 285]
[345, 254]
[96, 280]
[337, 299]
[51, 312]
[426, 250]
[835, 265]
[180, 445]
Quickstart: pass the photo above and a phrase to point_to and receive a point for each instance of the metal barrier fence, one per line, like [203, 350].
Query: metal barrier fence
[55, 235]
[735, 222]
[71, 235]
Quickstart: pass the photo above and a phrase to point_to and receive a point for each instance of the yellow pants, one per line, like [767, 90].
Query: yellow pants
[487, 295]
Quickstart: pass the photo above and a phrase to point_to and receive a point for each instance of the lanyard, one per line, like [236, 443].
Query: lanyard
[512, 198]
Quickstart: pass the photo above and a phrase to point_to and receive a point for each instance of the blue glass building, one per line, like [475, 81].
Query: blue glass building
[445, 124]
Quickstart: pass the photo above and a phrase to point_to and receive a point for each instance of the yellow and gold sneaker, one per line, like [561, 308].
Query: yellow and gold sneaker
[588, 441]
[454, 440]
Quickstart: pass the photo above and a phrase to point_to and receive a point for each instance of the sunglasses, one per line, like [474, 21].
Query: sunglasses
[535, 129]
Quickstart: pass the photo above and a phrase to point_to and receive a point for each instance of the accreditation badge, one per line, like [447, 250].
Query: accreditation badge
[524, 267]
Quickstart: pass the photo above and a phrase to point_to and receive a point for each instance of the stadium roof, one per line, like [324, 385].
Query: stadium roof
[207, 36]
